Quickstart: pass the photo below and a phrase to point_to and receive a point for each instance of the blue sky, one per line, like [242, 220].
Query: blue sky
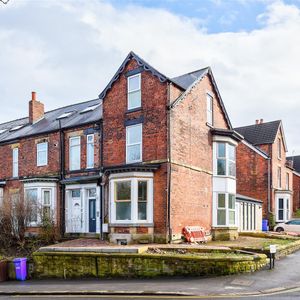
[67, 51]
[213, 15]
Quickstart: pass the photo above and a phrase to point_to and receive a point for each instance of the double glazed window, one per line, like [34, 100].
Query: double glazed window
[209, 109]
[42, 154]
[90, 151]
[226, 161]
[132, 200]
[283, 209]
[74, 160]
[15, 162]
[31, 196]
[225, 209]
[134, 143]
[134, 91]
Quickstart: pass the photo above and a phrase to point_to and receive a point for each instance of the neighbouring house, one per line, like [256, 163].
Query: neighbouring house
[150, 156]
[263, 171]
[295, 163]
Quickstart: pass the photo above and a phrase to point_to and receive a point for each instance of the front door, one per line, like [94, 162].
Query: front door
[92, 215]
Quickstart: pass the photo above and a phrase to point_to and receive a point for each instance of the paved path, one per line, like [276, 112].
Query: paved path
[285, 275]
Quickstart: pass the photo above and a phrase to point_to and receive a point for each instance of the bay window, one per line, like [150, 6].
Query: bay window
[134, 143]
[74, 160]
[134, 91]
[132, 199]
[32, 200]
[225, 210]
[226, 159]
[283, 209]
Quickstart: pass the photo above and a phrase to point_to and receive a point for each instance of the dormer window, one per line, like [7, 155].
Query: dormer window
[134, 91]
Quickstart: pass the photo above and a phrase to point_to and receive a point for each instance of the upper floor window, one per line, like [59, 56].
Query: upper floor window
[209, 109]
[74, 160]
[279, 148]
[279, 177]
[287, 183]
[226, 161]
[90, 151]
[15, 162]
[134, 143]
[134, 91]
[42, 154]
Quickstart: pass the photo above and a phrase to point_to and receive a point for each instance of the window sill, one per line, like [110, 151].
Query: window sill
[209, 125]
[145, 224]
[225, 176]
[128, 111]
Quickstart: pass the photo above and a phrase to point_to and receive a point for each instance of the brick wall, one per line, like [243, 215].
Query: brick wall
[296, 190]
[191, 152]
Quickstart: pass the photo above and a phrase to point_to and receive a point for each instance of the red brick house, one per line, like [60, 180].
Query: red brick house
[153, 154]
[262, 169]
[295, 163]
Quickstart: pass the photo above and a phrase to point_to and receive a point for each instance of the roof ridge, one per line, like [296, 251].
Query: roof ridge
[49, 111]
[189, 73]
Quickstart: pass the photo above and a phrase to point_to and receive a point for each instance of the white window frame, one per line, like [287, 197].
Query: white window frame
[38, 162]
[71, 166]
[279, 148]
[134, 144]
[209, 109]
[40, 187]
[279, 177]
[227, 210]
[134, 178]
[15, 152]
[90, 161]
[132, 91]
[226, 158]
[286, 208]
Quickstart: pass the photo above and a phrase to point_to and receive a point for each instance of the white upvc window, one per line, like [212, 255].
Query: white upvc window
[283, 209]
[15, 162]
[226, 159]
[225, 213]
[74, 160]
[209, 109]
[42, 203]
[90, 151]
[132, 199]
[134, 143]
[134, 91]
[42, 154]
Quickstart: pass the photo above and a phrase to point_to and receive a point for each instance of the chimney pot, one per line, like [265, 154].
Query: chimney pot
[256, 121]
[33, 96]
[261, 121]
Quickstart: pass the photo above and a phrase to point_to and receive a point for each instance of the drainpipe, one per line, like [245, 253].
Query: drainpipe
[169, 167]
[102, 183]
[269, 186]
[61, 177]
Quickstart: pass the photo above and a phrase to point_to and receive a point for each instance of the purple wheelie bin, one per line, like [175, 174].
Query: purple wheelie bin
[20, 268]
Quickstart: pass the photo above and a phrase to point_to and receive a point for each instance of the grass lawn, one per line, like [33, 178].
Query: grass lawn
[252, 242]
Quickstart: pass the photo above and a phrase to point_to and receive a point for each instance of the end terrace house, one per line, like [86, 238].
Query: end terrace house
[163, 154]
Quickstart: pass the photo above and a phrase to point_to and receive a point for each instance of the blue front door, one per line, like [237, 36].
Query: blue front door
[92, 215]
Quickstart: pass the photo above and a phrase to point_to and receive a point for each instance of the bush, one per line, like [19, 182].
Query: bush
[297, 213]
[272, 222]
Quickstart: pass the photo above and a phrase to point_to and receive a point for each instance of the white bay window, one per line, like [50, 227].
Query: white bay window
[131, 198]
[225, 210]
[226, 159]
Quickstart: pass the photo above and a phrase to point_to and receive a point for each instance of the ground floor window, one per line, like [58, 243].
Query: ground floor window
[131, 198]
[283, 209]
[41, 202]
[225, 209]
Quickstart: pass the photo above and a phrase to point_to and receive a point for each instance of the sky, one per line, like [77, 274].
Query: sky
[68, 50]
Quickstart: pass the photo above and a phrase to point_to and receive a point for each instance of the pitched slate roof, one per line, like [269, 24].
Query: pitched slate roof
[188, 79]
[258, 134]
[50, 123]
[296, 162]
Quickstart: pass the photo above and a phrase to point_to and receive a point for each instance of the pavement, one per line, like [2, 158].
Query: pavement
[285, 276]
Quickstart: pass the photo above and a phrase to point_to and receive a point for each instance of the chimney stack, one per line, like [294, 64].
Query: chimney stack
[256, 122]
[36, 109]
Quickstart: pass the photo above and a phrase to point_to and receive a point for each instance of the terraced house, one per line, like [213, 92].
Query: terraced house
[151, 155]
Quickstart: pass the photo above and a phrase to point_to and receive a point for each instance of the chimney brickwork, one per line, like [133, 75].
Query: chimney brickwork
[36, 109]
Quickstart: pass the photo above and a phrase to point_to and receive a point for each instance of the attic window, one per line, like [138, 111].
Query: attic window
[64, 115]
[16, 128]
[90, 108]
[2, 130]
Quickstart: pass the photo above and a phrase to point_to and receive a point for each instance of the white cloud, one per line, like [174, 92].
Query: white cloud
[73, 48]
